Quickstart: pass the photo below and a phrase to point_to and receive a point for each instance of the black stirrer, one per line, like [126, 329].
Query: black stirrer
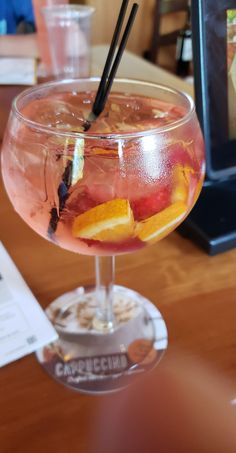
[112, 49]
[107, 79]
[99, 105]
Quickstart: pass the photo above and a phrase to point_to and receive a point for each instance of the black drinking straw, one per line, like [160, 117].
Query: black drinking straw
[112, 49]
[107, 79]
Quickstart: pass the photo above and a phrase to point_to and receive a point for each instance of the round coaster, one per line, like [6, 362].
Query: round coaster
[90, 362]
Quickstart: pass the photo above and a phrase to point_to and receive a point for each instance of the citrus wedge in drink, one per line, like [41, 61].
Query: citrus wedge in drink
[110, 221]
[159, 225]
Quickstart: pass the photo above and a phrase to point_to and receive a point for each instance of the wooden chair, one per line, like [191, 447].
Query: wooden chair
[163, 7]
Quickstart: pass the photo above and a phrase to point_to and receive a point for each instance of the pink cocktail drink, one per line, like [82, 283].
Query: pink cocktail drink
[115, 187]
[101, 192]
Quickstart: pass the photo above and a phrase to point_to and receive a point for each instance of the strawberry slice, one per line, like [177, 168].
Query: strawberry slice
[147, 206]
[78, 203]
[127, 246]
[182, 154]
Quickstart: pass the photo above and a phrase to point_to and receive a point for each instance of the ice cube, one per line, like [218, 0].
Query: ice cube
[55, 113]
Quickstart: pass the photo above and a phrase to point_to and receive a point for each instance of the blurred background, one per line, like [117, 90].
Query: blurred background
[140, 40]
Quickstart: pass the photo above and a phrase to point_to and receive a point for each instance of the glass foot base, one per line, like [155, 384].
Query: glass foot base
[93, 361]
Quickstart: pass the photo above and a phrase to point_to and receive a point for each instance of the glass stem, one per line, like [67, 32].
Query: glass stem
[105, 271]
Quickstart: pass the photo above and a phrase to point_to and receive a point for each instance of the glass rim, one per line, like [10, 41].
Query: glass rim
[105, 135]
[79, 10]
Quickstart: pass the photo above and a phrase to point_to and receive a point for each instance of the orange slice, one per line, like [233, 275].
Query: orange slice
[159, 225]
[111, 221]
[181, 181]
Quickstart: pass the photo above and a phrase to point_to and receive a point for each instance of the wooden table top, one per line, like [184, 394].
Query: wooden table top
[195, 293]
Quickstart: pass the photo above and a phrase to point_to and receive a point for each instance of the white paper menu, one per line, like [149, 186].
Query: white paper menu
[24, 327]
[17, 71]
